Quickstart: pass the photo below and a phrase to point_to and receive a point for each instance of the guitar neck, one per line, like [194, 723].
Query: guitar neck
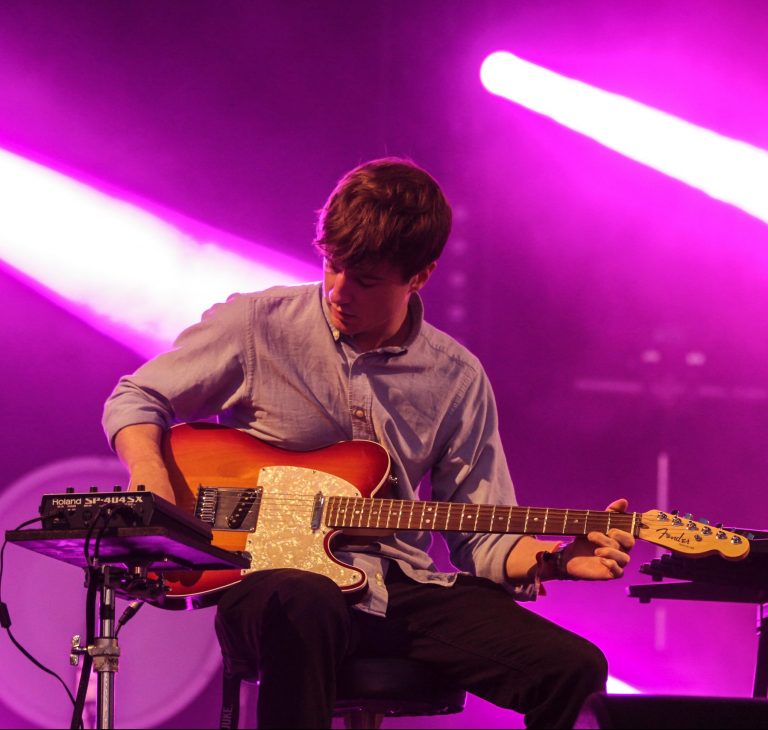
[395, 514]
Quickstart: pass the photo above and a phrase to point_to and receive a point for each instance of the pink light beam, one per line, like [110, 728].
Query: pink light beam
[135, 275]
[726, 169]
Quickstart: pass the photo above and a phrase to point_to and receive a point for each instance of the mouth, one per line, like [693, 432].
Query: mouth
[341, 313]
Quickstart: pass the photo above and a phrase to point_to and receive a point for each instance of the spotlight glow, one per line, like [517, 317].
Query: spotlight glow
[132, 274]
[725, 169]
[617, 687]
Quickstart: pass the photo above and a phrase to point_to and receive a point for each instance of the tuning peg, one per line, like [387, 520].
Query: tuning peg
[750, 536]
[688, 516]
[719, 525]
[703, 521]
[675, 512]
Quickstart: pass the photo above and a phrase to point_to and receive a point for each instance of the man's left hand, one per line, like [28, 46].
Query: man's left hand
[598, 556]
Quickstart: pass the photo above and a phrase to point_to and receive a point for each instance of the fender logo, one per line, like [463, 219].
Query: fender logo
[680, 539]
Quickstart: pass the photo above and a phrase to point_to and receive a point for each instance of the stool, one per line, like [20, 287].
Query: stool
[369, 689]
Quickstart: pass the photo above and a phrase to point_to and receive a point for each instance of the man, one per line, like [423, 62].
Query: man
[303, 367]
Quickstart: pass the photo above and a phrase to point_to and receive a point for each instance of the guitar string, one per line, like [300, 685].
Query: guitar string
[496, 513]
[410, 509]
[372, 502]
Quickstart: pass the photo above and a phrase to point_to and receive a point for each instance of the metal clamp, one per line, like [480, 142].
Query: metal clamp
[105, 653]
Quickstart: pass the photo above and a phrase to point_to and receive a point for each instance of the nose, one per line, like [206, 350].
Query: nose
[339, 292]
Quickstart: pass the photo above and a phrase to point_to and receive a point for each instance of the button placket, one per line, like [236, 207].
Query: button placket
[360, 399]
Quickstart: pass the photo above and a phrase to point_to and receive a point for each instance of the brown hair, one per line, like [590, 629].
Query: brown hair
[387, 210]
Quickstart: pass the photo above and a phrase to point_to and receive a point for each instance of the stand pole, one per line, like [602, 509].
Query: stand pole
[761, 670]
[106, 653]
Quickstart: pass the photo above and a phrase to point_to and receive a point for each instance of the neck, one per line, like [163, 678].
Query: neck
[391, 337]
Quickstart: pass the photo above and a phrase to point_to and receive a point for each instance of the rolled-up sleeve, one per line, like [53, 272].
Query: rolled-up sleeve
[202, 375]
[474, 470]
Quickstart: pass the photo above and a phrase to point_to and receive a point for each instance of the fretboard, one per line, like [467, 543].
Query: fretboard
[394, 514]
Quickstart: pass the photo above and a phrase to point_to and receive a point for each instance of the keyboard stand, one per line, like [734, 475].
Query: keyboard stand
[130, 563]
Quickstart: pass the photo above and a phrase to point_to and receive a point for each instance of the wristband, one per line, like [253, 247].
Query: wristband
[556, 558]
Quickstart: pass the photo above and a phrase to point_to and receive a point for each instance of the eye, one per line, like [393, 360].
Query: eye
[365, 283]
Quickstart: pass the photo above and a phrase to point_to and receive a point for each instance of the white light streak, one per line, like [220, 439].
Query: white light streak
[726, 169]
[126, 271]
[617, 687]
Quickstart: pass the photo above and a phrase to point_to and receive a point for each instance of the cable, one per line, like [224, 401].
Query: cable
[89, 561]
[131, 610]
[92, 581]
[5, 618]
[90, 637]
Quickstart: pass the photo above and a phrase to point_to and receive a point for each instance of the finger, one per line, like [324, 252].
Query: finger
[620, 505]
[613, 567]
[603, 540]
[624, 540]
[616, 556]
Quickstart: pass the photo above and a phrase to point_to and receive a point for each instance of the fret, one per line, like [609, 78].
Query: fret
[583, 526]
[390, 505]
[421, 516]
[337, 517]
[461, 518]
[509, 518]
[429, 509]
[382, 513]
[546, 517]
[493, 515]
[448, 515]
[527, 515]
[565, 521]
[359, 512]
[477, 516]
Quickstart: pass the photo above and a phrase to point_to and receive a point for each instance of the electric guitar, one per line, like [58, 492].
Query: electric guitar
[285, 508]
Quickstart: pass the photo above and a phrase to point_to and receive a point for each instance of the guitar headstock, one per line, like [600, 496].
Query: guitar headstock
[688, 537]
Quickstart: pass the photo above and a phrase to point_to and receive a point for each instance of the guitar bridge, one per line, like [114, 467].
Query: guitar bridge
[225, 508]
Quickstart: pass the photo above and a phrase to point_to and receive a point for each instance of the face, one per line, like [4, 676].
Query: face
[370, 305]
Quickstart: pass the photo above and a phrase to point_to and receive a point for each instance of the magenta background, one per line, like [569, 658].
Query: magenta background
[567, 260]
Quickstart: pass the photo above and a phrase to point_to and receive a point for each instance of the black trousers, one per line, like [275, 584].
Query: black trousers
[293, 629]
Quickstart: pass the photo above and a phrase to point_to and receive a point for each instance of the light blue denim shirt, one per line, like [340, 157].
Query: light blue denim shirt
[271, 364]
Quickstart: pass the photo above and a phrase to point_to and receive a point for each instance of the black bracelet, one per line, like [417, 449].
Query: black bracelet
[557, 558]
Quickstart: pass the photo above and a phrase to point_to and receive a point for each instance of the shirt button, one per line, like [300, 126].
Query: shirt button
[379, 578]
[359, 413]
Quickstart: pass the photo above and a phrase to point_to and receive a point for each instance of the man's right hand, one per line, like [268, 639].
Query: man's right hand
[138, 447]
[154, 478]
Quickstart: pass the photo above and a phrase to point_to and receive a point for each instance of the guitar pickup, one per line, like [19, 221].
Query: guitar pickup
[224, 508]
[248, 499]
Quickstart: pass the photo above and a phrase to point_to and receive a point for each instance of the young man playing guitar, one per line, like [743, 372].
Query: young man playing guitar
[352, 358]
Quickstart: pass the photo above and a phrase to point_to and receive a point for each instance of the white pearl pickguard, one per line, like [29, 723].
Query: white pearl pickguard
[284, 537]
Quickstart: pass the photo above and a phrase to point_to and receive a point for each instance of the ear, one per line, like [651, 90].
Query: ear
[422, 277]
